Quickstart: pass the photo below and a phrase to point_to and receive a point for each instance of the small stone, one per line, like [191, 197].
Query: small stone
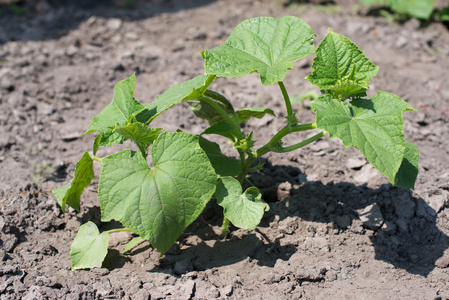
[71, 50]
[389, 227]
[425, 211]
[227, 290]
[367, 173]
[371, 217]
[401, 42]
[404, 206]
[182, 267]
[34, 293]
[343, 221]
[70, 137]
[355, 163]
[437, 202]
[442, 262]
[114, 24]
[402, 225]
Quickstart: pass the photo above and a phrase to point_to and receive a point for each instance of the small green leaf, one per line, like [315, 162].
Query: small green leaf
[123, 107]
[245, 143]
[220, 128]
[254, 112]
[243, 210]
[89, 247]
[340, 66]
[421, 9]
[70, 194]
[189, 90]
[223, 165]
[96, 145]
[140, 133]
[133, 243]
[157, 203]
[374, 126]
[264, 45]
[406, 176]
[205, 111]
[444, 14]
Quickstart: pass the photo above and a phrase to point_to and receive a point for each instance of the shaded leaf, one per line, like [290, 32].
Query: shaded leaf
[408, 171]
[223, 165]
[244, 210]
[70, 194]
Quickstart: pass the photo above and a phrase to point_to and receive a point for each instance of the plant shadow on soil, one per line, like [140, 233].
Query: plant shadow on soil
[414, 245]
[67, 15]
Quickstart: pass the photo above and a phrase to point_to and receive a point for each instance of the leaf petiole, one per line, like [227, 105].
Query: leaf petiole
[292, 120]
[236, 129]
[97, 158]
[119, 230]
[301, 144]
[271, 145]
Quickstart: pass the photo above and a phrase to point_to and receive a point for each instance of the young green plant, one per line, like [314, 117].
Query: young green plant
[158, 203]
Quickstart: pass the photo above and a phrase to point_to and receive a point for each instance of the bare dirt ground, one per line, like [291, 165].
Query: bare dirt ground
[336, 229]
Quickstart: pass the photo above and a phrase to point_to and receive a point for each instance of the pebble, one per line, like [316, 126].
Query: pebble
[365, 174]
[114, 24]
[371, 217]
[437, 202]
[404, 206]
[355, 163]
[183, 266]
[442, 262]
[343, 221]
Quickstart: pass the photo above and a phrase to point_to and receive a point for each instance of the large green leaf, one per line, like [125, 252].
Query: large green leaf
[340, 66]
[119, 111]
[89, 248]
[223, 165]
[140, 134]
[374, 126]
[243, 210]
[264, 45]
[157, 203]
[406, 176]
[70, 193]
[189, 90]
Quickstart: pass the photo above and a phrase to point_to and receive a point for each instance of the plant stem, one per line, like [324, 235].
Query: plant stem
[301, 144]
[288, 103]
[235, 127]
[96, 158]
[270, 146]
[225, 228]
[119, 230]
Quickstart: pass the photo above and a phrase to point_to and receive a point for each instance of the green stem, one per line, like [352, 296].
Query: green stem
[283, 132]
[119, 230]
[288, 103]
[96, 158]
[225, 228]
[301, 144]
[235, 127]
